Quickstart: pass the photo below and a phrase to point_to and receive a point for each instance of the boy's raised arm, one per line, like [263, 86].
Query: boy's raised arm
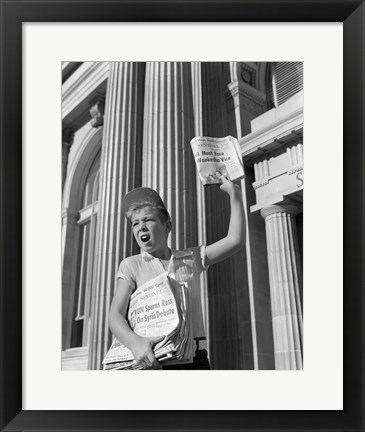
[236, 235]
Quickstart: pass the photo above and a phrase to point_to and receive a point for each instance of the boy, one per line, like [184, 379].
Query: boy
[151, 226]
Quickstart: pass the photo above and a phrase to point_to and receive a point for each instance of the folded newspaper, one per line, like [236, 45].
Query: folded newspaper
[160, 307]
[215, 157]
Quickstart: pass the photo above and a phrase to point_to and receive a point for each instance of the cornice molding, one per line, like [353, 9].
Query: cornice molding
[83, 85]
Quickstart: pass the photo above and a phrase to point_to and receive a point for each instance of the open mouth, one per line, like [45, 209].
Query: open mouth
[145, 238]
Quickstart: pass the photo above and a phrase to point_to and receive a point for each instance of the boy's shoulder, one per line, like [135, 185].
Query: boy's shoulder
[131, 266]
[132, 260]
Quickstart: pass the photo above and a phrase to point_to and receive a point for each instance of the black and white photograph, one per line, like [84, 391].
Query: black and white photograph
[152, 215]
[182, 215]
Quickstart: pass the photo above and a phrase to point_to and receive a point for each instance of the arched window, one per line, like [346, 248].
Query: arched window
[87, 223]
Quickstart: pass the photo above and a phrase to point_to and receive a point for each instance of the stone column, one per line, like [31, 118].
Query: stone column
[120, 172]
[229, 316]
[285, 273]
[196, 75]
[244, 102]
[168, 164]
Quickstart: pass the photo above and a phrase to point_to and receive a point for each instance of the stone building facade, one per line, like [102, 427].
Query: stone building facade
[129, 124]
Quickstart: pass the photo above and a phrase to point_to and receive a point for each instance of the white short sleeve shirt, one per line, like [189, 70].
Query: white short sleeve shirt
[185, 267]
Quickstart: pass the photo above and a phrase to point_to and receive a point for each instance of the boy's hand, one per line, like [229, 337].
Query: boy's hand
[229, 187]
[143, 353]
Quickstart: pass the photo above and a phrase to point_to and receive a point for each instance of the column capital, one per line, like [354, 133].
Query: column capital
[97, 112]
[284, 207]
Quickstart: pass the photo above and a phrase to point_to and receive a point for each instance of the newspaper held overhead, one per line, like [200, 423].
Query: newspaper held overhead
[215, 157]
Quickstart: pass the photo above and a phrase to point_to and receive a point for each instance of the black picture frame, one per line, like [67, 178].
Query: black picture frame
[13, 14]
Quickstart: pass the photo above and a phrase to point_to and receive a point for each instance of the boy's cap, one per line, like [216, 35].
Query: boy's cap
[141, 194]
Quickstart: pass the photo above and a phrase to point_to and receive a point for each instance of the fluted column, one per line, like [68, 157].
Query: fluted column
[120, 172]
[168, 164]
[196, 76]
[228, 304]
[285, 273]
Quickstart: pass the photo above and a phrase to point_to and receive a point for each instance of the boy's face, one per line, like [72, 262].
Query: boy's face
[148, 229]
